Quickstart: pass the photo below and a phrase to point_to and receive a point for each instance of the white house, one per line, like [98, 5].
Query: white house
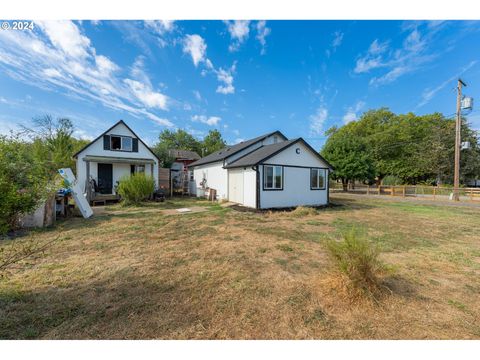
[116, 153]
[269, 171]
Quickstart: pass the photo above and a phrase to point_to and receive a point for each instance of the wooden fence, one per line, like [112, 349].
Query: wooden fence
[418, 191]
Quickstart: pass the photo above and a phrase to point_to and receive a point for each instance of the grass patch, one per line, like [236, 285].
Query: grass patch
[138, 273]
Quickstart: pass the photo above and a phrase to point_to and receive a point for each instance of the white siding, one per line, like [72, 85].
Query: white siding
[216, 176]
[96, 149]
[290, 157]
[296, 190]
[296, 180]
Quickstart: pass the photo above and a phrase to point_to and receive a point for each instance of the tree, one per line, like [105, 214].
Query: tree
[212, 142]
[407, 146]
[349, 156]
[179, 139]
[22, 181]
[52, 143]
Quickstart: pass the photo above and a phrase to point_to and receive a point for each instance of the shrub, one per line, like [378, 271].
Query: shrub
[391, 180]
[21, 182]
[136, 188]
[357, 258]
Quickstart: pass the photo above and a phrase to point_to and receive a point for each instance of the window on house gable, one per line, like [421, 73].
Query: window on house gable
[120, 143]
[273, 177]
[317, 179]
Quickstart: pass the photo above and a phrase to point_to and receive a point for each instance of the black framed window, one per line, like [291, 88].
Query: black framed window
[273, 177]
[121, 143]
[317, 179]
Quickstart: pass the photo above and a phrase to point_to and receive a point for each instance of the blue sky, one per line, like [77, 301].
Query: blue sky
[244, 78]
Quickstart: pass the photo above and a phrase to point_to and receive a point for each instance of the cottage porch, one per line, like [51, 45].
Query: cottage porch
[104, 172]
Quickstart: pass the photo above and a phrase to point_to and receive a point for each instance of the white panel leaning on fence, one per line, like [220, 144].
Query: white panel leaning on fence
[78, 195]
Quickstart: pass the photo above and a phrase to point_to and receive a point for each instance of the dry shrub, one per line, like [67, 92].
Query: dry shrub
[304, 211]
[358, 258]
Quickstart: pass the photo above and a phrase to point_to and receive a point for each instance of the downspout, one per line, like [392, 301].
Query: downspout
[328, 186]
[257, 190]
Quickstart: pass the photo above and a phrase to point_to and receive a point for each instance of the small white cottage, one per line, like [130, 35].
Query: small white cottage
[269, 171]
[115, 153]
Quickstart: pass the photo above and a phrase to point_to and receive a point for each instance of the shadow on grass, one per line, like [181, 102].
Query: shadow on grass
[124, 306]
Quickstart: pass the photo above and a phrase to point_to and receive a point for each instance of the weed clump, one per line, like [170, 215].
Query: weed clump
[358, 258]
[304, 211]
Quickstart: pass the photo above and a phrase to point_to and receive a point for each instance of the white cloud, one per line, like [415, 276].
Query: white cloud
[351, 114]
[211, 120]
[105, 65]
[82, 134]
[58, 57]
[160, 26]
[195, 46]
[226, 77]
[390, 76]
[317, 120]
[146, 95]
[262, 32]
[197, 95]
[409, 57]
[159, 121]
[337, 39]
[52, 73]
[239, 30]
[66, 36]
[377, 48]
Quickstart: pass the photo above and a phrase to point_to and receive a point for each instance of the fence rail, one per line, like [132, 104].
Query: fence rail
[428, 192]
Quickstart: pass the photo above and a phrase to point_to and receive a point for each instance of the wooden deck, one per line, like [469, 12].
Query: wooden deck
[103, 198]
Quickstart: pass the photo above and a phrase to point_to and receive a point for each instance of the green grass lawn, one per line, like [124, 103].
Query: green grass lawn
[141, 273]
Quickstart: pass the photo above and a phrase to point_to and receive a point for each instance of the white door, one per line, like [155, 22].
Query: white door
[235, 186]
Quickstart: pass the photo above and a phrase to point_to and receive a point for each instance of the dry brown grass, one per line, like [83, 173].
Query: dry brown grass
[225, 274]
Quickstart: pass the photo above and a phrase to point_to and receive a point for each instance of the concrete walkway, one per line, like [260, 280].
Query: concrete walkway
[418, 200]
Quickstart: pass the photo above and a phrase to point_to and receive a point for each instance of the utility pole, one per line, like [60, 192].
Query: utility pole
[458, 141]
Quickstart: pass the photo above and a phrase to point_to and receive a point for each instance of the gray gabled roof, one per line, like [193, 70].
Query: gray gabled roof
[230, 150]
[265, 152]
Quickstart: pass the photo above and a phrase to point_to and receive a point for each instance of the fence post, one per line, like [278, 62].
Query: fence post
[471, 194]
[434, 192]
[403, 191]
[378, 188]
[393, 190]
[415, 188]
[368, 189]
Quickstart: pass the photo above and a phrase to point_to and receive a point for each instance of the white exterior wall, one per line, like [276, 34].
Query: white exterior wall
[119, 170]
[217, 178]
[296, 180]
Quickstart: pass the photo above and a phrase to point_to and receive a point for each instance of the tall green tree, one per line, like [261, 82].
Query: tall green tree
[179, 139]
[212, 142]
[349, 156]
[407, 146]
